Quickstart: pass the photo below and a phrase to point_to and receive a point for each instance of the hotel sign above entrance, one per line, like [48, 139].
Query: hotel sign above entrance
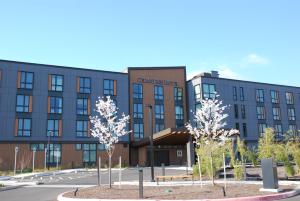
[158, 82]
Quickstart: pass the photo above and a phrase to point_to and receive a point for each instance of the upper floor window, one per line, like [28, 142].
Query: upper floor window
[159, 127]
[25, 80]
[243, 111]
[234, 91]
[276, 113]
[53, 127]
[55, 104]
[262, 129]
[158, 92]
[178, 94]
[289, 98]
[138, 91]
[245, 129]
[197, 92]
[261, 113]
[138, 131]
[83, 105]
[209, 91]
[291, 114]
[56, 82]
[110, 87]
[278, 130]
[260, 95]
[242, 96]
[274, 96]
[178, 113]
[138, 110]
[159, 111]
[236, 111]
[292, 129]
[23, 127]
[82, 128]
[24, 103]
[84, 85]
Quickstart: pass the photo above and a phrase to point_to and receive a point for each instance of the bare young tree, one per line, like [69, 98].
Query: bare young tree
[108, 127]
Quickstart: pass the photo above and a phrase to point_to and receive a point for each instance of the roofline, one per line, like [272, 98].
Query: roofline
[58, 66]
[253, 82]
[156, 68]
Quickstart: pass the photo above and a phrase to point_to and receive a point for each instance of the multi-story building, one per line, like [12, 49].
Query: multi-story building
[48, 106]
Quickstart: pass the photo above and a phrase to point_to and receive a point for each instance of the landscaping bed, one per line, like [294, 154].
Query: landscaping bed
[173, 192]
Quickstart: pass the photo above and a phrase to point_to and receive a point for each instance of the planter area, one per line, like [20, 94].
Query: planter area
[174, 192]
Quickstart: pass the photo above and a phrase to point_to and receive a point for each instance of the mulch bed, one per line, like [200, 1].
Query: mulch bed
[173, 192]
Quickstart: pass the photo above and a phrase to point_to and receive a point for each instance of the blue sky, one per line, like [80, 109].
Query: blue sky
[250, 39]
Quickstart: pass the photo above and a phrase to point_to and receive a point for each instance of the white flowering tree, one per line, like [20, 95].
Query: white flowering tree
[108, 127]
[209, 133]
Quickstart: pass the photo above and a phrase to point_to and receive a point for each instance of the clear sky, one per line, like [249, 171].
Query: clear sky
[255, 40]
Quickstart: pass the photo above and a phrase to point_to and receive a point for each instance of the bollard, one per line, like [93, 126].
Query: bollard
[186, 168]
[141, 184]
[99, 171]
[163, 170]
[98, 174]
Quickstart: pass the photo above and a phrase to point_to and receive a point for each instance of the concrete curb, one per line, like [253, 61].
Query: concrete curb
[6, 188]
[277, 196]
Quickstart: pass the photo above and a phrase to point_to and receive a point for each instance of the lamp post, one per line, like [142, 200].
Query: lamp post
[47, 150]
[16, 153]
[151, 142]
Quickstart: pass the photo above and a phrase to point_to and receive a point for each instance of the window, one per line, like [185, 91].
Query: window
[245, 129]
[159, 127]
[178, 113]
[209, 91]
[278, 130]
[25, 80]
[138, 131]
[293, 129]
[274, 96]
[197, 106]
[84, 85]
[237, 126]
[54, 154]
[242, 97]
[289, 98]
[56, 82]
[53, 127]
[261, 113]
[110, 87]
[276, 113]
[260, 95]
[262, 129]
[55, 105]
[159, 111]
[178, 94]
[23, 127]
[83, 105]
[78, 147]
[158, 92]
[243, 111]
[101, 147]
[24, 103]
[138, 110]
[137, 91]
[291, 114]
[37, 147]
[234, 91]
[89, 153]
[236, 111]
[82, 128]
[197, 93]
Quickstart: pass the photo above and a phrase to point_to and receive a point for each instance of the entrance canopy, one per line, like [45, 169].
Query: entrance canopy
[169, 136]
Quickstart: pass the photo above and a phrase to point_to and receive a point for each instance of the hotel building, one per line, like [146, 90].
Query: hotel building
[49, 106]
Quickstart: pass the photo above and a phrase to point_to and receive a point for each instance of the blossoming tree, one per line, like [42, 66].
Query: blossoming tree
[108, 127]
[209, 133]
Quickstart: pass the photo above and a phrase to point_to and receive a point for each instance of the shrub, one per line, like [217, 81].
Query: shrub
[238, 170]
[266, 145]
[196, 169]
[1, 185]
[252, 156]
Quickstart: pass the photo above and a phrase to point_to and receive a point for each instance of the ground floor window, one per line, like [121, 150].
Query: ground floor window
[54, 154]
[89, 154]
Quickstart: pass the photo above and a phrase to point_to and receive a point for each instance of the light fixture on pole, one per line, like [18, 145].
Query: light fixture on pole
[151, 142]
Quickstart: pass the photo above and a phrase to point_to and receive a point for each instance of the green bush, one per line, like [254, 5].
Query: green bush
[252, 156]
[238, 171]
[1, 185]
[289, 169]
[196, 170]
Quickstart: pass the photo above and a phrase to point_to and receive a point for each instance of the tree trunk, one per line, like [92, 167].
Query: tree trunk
[109, 170]
[212, 170]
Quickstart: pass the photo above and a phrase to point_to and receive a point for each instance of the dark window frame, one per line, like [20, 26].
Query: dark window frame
[137, 91]
[82, 85]
[55, 86]
[24, 82]
[24, 107]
